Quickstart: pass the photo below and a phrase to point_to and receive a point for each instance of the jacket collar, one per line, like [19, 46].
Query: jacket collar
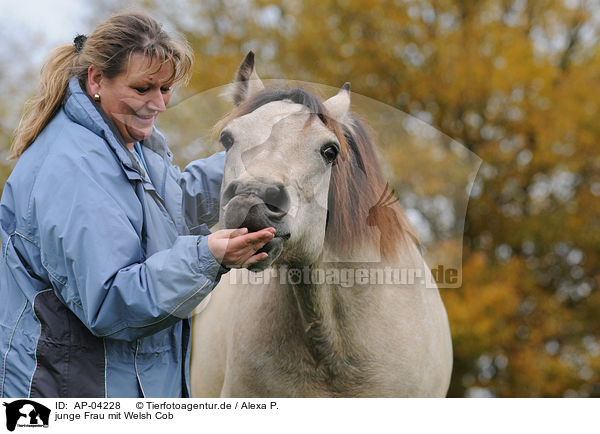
[81, 109]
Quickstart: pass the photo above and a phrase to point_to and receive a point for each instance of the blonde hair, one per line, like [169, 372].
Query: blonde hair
[109, 48]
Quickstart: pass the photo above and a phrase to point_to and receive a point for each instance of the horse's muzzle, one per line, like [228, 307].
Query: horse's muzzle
[273, 196]
[257, 206]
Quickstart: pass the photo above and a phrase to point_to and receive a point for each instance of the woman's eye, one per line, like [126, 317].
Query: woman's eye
[142, 89]
[165, 89]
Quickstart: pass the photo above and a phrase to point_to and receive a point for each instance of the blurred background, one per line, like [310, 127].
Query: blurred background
[517, 82]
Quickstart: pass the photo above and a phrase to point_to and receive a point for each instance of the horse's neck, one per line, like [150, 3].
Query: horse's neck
[326, 294]
[326, 315]
[330, 314]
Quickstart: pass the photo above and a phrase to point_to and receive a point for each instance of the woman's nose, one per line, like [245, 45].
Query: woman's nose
[157, 101]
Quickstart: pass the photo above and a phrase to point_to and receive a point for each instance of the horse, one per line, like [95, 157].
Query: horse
[320, 316]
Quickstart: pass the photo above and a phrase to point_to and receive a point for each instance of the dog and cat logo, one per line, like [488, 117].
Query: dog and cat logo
[26, 413]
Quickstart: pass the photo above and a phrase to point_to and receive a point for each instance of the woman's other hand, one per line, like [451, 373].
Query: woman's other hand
[236, 248]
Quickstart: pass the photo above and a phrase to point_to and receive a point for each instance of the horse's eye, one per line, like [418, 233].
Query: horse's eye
[226, 139]
[330, 151]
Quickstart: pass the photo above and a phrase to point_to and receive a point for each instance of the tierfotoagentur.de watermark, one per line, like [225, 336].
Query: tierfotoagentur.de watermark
[347, 277]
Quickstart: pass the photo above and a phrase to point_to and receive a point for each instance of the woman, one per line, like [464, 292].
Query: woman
[105, 246]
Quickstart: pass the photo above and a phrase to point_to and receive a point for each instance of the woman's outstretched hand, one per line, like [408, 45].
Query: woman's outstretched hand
[236, 248]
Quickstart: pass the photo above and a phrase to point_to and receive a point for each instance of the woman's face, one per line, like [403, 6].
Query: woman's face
[134, 98]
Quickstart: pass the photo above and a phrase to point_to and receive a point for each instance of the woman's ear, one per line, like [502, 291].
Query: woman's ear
[94, 80]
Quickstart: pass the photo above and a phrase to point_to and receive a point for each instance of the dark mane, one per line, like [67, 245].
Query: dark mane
[356, 184]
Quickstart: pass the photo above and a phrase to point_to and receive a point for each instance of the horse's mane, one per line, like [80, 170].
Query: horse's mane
[356, 185]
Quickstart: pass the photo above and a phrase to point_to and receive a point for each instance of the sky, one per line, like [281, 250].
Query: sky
[39, 26]
[48, 23]
[29, 30]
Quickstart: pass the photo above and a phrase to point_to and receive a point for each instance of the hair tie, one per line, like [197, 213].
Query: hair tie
[78, 42]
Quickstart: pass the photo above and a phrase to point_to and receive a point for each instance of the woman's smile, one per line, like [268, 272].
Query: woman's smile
[147, 120]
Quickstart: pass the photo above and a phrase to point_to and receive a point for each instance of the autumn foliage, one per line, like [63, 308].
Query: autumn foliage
[515, 81]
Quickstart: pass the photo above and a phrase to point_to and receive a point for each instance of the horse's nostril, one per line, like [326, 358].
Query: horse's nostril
[277, 200]
[272, 208]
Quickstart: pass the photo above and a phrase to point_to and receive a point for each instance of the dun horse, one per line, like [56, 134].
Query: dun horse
[322, 318]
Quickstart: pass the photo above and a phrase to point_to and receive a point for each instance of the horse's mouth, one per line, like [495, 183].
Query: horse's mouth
[273, 248]
[278, 239]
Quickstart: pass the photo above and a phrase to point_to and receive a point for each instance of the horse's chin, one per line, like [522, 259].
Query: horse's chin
[273, 248]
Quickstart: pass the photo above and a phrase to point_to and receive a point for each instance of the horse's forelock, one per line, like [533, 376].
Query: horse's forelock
[296, 95]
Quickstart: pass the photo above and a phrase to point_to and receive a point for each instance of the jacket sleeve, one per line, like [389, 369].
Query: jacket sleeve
[201, 186]
[92, 252]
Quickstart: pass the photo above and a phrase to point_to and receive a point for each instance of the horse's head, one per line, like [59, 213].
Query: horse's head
[281, 145]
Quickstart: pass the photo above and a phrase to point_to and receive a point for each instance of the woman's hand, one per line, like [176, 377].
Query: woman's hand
[236, 248]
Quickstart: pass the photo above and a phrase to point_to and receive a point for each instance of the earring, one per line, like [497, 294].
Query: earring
[96, 97]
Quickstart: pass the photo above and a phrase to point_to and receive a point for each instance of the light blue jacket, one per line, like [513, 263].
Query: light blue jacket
[101, 262]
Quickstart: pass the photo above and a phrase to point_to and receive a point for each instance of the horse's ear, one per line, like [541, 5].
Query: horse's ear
[338, 106]
[246, 82]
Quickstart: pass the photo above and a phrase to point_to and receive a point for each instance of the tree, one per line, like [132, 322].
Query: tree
[516, 82]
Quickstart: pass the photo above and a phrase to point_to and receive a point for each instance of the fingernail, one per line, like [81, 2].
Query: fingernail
[244, 230]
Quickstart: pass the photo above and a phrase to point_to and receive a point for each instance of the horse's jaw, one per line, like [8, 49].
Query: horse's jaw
[287, 252]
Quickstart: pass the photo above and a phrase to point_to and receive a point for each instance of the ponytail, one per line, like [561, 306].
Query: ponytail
[38, 111]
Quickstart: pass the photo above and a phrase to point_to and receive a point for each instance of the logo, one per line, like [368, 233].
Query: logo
[26, 413]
